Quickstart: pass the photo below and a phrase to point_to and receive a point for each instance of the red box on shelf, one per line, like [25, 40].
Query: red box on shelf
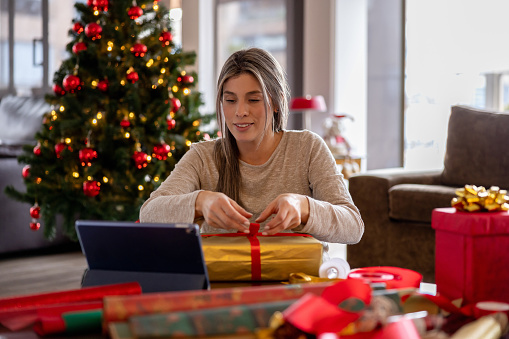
[472, 255]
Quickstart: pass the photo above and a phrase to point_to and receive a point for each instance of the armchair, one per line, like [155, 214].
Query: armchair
[396, 204]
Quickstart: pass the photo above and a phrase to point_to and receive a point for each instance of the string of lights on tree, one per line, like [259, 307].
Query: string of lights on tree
[124, 111]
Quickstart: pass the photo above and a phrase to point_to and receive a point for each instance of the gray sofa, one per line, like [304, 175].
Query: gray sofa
[20, 119]
[396, 205]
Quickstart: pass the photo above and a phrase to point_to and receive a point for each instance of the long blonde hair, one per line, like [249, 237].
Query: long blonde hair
[276, 93]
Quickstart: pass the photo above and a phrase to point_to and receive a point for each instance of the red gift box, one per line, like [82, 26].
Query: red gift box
[471, 256]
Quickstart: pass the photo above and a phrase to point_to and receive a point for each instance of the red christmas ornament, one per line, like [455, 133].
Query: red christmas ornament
[171, 123]
[35, 211]
[78, 28]
[134, 12]
[166, 38]
[25, 172]
[89, 3]
[59, 148]
[103, 85]
[99, 5]
[37, 149]
[34, 226]
[132, 76]
[78, 47]
[86, 156]
[140, 159]
[93, 31]
[161, 151]
[125, 123]
[91, 188]
[185, 79]
[139, 50]
[58, 90]
[71, 83]
[175, 105]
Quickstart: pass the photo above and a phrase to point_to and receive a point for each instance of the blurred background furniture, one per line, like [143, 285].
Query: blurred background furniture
[349, 165]
[396, 204]
[20, 119]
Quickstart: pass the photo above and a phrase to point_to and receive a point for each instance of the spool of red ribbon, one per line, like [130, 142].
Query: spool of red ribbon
[392, 277]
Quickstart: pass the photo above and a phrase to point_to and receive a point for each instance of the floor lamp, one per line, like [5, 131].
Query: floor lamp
[306, 105]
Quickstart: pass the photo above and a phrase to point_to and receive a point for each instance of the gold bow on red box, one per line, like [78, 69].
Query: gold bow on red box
[477, 199]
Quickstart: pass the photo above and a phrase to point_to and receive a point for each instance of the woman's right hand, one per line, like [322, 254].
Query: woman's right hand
[220, 211]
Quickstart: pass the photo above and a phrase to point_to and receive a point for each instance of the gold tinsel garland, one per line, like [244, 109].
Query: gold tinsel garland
[477, 199]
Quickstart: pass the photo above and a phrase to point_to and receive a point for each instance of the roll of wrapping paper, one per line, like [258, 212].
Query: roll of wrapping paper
[120, 308]
[69, 322]
[22, 311]
[220, 321]
[486, 327]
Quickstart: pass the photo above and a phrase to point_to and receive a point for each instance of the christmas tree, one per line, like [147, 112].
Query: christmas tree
[124, 111]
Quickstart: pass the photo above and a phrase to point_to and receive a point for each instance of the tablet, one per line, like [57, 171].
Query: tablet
[161, 257]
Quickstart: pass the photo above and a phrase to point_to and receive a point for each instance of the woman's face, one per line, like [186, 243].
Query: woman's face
[244, 109]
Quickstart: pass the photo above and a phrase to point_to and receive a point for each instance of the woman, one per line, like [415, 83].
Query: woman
[285, 180]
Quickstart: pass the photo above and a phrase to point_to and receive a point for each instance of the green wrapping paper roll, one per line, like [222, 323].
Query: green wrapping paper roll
[86, 321]
[71, 322]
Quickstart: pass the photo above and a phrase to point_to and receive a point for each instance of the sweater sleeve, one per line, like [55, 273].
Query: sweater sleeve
[174, 201]
[333, 217]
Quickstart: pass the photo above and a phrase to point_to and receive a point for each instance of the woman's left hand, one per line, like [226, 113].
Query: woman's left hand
[290, 211]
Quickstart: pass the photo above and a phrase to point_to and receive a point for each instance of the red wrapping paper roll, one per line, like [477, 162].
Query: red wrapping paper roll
[22, 311]
[51, 319]
[70, 296]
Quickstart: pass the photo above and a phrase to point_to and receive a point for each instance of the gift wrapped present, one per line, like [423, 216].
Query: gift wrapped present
[471, 254]
[256, 257]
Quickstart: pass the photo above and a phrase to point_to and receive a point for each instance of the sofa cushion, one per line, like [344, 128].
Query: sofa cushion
[10, 151]
[412, 202]
[20, 119]
[477, 148]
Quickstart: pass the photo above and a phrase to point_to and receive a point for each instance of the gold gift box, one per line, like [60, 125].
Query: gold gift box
[228, 258]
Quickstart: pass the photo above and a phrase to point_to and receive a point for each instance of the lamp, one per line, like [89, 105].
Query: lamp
[307, 104]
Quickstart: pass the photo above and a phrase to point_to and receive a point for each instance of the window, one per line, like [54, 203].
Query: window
[251, 23]
[29, 60]
[456, 54]
[175, 14]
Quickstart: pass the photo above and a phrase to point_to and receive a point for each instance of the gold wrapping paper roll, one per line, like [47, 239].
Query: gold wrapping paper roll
[487, 327]
[473, 198]
[229, 258]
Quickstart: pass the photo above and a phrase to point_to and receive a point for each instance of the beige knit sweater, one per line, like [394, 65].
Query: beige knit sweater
[301, 164]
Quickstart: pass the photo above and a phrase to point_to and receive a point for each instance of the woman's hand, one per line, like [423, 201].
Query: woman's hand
[221, 212]
[291, 210]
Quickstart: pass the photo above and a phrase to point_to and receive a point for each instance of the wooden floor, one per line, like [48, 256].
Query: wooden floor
[39, 273]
